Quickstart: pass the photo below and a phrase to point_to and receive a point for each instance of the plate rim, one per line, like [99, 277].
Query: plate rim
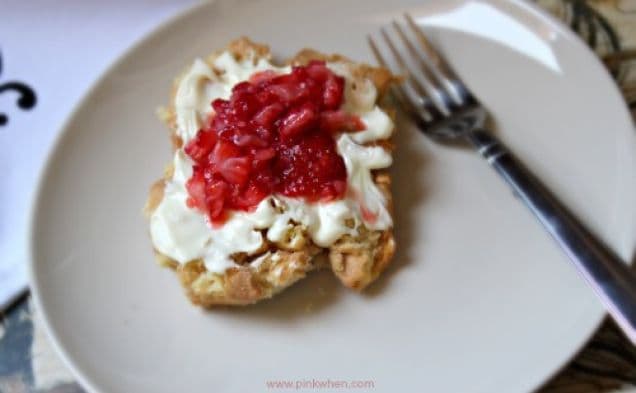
[84, 380]
[44, 171]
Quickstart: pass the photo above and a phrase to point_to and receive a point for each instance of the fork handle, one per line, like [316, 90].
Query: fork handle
[612, 279]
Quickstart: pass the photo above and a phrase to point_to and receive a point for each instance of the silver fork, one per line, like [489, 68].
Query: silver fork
[445, 110]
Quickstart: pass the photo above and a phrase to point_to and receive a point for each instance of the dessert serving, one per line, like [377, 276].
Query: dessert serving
[276, 171]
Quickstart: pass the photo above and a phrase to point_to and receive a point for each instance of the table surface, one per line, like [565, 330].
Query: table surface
[606, 364]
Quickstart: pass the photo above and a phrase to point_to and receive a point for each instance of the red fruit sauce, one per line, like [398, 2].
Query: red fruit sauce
[274, 135]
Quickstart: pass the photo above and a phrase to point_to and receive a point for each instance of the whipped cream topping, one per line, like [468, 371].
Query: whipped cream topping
[184, 234]
[201, 85]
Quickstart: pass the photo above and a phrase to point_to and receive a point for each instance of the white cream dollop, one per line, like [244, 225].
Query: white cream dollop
[325, 222]
[193, 97]
[184, 234]
[360, 161]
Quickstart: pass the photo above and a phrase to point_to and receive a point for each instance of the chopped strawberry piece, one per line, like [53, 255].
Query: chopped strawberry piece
[215, 197]
[340, 121]
[220, 105]
[269, 114]
[286, 93]
[309, 167]
[248, 140]
[235, 170]
[332, 95]
[251, 197]
[318, 71]
[298, 120]
[196, 189]
[264, 154]
[199, 147]
[223, 151]
[262, 76]
[340, 187]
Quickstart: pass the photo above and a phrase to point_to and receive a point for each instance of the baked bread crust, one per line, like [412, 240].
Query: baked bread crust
[356, 261]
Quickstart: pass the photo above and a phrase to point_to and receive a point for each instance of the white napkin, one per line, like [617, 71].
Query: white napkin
[57, 49]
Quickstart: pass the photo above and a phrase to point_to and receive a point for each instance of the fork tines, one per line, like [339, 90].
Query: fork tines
[430, 89]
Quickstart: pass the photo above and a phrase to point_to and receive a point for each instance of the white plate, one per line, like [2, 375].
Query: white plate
[479, 299]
